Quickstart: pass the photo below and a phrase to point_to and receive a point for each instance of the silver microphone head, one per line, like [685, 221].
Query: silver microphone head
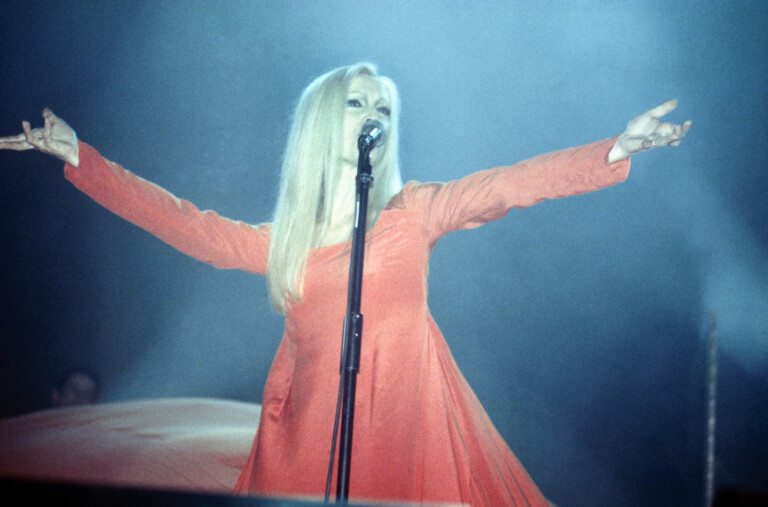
[372, 134]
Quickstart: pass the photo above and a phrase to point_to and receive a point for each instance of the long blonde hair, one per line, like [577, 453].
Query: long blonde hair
[310, 174]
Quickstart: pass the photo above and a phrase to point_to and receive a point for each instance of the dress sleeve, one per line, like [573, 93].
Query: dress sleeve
[204, 235]
[488, 195]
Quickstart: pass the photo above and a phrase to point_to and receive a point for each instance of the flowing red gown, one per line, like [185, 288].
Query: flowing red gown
[420, 433]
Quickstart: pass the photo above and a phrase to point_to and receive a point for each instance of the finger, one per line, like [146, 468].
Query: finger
[664, 140]
[30, 137]
[50, 117]
[48, 114]
[680, 132]
[47, 126]
[27, 130]
[15, 145]
[674, 138]
[12, 139]
[662, 109]
[55, 122]
[686, 127]
[17, 142]
[665, 129]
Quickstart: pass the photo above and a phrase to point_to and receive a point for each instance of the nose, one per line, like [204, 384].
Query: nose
[374, 113]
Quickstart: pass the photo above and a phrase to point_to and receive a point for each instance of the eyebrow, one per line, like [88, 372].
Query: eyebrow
[360, 92]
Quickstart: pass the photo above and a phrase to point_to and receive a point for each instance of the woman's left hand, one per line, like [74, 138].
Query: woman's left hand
[646, 132]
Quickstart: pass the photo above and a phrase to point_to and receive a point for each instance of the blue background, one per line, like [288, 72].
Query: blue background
[582, 324]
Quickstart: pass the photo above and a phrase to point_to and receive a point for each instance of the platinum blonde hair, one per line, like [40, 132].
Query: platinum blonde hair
[310, 177]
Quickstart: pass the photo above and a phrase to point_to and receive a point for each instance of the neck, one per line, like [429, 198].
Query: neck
[343, 212]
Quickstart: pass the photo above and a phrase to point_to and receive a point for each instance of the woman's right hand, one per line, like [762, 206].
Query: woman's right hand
[55, 138]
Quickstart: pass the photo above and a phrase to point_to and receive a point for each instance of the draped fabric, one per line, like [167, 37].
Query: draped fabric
[420, 434]
[182, 444]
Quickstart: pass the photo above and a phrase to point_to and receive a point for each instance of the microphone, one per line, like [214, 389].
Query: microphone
[371, 135]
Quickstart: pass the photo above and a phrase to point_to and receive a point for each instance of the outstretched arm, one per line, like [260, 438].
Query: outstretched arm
[203, 235]
[647, 131]
[54, 138]
[489, 195]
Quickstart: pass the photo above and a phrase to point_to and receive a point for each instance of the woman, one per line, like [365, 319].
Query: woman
[420, 433]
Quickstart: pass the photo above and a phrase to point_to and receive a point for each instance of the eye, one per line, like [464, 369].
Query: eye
[384, 110]
[354, 103]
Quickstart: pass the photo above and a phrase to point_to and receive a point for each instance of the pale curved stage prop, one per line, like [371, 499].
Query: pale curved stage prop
[195, 445]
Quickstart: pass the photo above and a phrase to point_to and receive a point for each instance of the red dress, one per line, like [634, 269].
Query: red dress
[420, 433]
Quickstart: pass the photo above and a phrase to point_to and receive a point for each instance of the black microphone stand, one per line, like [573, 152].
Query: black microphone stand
[353, 322]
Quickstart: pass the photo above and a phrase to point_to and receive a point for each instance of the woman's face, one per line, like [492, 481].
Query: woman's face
[365, 101]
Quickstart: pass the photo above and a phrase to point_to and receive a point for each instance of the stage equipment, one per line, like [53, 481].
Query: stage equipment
[371, 135]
